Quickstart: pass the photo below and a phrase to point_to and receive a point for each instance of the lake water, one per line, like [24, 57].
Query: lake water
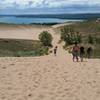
[26, 20]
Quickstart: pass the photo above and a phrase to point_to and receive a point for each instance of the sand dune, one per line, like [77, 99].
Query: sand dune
[22, 32]
[49, 77]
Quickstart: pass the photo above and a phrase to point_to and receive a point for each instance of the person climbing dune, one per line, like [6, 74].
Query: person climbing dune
[82, 53]
[55, 50]
[75, 52]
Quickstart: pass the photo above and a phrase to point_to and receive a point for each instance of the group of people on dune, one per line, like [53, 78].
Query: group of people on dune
[78, 51]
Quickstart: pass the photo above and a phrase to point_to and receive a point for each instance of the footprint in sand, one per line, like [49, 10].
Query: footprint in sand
[20, 74]
[3, 67]
[3, 98]
[12, 64]
[96, 72]
[41, 96]
[30, 95]
[98, 92]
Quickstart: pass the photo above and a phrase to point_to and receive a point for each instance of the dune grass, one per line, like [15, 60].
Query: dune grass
[86, 28]
[21, 48]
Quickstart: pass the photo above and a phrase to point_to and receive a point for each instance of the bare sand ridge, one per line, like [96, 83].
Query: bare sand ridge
[49, 77]
[22, 31]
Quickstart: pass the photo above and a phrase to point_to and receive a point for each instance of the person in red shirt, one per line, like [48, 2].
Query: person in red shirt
[75, 52]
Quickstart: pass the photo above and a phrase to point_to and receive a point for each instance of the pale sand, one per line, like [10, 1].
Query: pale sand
[63, 24]
[49, 77]
[23, 32]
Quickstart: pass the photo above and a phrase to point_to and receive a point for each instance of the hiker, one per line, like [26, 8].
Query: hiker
[89, 52]
[82, 52]
[75, 52]
[55, 50]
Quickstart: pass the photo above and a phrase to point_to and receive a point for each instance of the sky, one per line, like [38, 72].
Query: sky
[49, 6]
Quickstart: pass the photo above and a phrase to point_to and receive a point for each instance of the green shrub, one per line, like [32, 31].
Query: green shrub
[46, 38]
[70, 36]
[44, 51]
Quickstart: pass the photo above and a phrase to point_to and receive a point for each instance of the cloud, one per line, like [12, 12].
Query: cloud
[50, 5]
[47, 3]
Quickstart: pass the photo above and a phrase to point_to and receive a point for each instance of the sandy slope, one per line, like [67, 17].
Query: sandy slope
[22, 32]
[49, 77]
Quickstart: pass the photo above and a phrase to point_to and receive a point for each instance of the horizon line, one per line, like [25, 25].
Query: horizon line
[52, 13]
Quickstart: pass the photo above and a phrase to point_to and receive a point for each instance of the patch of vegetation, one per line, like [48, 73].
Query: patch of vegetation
[70, 36]
[90, 34]
[97, 40]
[90, 39]
[21, 48]
[46, 38]
[96, 53]
[87, 27]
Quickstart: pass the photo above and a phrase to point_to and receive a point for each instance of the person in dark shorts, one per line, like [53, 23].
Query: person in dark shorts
[89, 52]
[82, 52]
[55, 51]
[75, 52]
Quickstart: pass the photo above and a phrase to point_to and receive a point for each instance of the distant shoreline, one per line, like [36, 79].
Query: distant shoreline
[61, 16]
[3, 23]
[45, 24]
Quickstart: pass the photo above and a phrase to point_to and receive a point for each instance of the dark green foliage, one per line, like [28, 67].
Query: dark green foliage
[70, 36]
[46, 38]
[90, 39]
[43, 51]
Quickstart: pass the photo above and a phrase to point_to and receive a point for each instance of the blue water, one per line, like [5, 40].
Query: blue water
[24, 20]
